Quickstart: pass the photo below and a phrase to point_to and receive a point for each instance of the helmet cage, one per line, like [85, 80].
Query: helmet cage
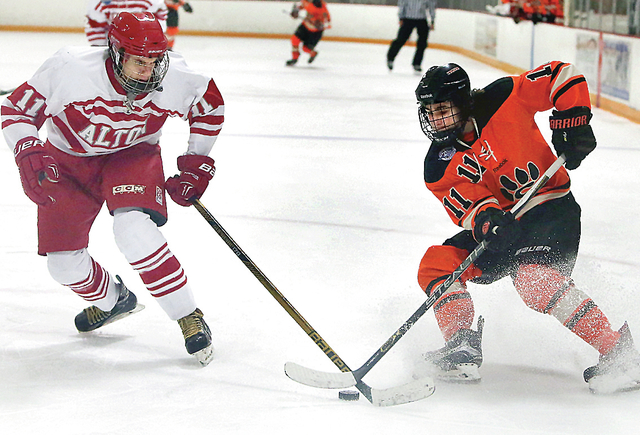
[138, 34]
[133, 86]
[447, 115]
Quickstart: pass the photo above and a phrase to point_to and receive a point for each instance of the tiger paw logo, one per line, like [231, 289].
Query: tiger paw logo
[523, 179]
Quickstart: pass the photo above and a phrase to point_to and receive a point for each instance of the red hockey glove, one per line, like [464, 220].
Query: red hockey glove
[195, 173]
[36, 167]
[498, 228]
[572, 135]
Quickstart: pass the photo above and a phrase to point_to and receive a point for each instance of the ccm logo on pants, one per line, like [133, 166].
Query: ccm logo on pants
[129, 188]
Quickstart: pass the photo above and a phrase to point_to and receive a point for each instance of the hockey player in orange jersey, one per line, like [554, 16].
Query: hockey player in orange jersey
[173, 19]
[310, 31]
[486, 152]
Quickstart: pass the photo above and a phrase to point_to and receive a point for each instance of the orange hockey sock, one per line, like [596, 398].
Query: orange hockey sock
[547, 291]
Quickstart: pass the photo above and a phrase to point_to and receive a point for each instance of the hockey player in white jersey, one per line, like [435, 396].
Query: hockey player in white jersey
[103, 109]
[100, 13]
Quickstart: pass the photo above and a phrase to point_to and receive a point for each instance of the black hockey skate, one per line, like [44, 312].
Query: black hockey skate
[313, 56]
[618, 370]
[292, 62]
[93, 317]
[197, 337]
[460, 358]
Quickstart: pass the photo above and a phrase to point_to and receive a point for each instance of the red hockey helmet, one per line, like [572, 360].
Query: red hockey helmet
[138, 34]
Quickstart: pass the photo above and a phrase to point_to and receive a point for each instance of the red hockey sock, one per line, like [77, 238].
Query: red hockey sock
[161, 272]
[95, 286]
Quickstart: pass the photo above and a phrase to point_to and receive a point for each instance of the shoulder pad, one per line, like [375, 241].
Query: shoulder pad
[436, 162]
[487, 101]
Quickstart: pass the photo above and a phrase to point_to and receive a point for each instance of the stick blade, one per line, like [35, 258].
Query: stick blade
[319, 379]
[406, 393]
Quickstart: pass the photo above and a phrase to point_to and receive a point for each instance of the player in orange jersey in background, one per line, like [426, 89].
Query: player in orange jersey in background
[173, 18]
[309, 32]
[486, 152]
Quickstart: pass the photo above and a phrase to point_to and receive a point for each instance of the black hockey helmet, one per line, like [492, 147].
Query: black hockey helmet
[444, 84]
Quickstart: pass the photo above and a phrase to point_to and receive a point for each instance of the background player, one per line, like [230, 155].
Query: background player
[486, 151]
[100, 13]
[173, 19]
[104, 109]
[310, 31]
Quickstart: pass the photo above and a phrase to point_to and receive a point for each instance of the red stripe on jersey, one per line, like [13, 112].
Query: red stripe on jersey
[204, 132]
[73, 143]
[214, 120]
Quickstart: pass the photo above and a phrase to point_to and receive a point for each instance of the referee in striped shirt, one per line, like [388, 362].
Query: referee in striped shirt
[413, 14]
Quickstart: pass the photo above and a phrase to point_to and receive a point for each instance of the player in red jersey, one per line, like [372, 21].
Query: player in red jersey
[100, 13]
[310, 31]
[104, 109]
[486, 152]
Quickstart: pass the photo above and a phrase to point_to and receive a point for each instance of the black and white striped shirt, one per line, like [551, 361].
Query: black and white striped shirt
[417, 10]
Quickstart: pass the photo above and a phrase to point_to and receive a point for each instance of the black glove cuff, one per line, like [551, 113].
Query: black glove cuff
[571, 118]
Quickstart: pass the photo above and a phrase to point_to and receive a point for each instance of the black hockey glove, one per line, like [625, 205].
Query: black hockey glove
[187, 8]
[498, 228]
[572, 135]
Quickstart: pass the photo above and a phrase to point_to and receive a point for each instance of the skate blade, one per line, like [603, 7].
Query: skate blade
[204, 356]
[138, 308]
[609, 385]
[461, 374]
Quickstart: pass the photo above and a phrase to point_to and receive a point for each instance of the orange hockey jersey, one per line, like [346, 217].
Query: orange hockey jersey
[316, 17]
[510, 153]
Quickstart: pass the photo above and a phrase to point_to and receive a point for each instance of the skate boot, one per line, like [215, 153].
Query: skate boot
[313, 56]
[197, 337]
[618, 370]
[460, 358]
[93, 317]
[292, 62]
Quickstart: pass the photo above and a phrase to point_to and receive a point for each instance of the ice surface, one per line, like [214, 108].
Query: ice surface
[320, 181]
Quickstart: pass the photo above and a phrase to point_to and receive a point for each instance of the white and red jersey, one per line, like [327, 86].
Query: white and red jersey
[100, 13]
[75, 93]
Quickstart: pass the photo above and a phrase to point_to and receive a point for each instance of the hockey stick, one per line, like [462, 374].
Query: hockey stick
[410, 392]
[7, 91]
[315, 378]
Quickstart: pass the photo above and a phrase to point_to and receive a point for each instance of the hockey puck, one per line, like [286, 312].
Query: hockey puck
[349, 395]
